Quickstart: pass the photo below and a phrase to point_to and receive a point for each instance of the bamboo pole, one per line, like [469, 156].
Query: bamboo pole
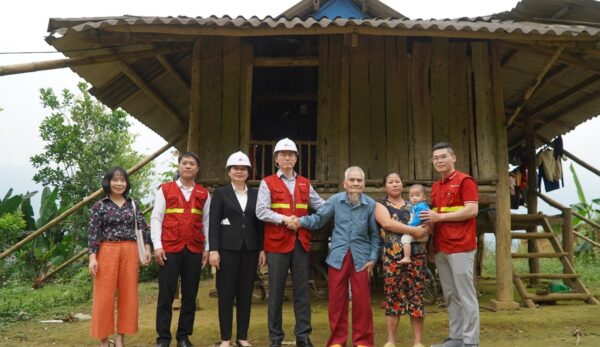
[39, 282]
[83, 202]
[78, 61]
[531, 90]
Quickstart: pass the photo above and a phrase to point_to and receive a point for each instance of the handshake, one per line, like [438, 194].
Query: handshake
[291, 222]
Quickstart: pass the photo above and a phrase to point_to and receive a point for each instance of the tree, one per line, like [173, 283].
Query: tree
[83, 139]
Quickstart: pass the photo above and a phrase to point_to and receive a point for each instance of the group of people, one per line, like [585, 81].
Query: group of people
[239, 228]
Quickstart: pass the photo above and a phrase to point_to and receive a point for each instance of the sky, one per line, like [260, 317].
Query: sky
[23, 28]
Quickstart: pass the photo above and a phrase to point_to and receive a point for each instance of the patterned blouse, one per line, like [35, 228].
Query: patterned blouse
[109, 222]
[392, 247]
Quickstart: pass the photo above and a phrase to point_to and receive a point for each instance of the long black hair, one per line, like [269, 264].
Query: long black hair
[108, 176]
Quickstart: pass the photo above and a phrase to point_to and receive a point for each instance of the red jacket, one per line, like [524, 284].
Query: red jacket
[447, 195]
[278, 238]
[182, 224]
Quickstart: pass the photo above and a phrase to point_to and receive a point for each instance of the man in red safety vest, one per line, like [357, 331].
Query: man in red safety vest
[179, 229]
[454, 200]
[281, 198]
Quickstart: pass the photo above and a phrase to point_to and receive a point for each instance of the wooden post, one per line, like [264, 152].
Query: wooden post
[504, 282]
[567, 235]
[193, 140]
[344, 107]
[532, 203]
[247, 73]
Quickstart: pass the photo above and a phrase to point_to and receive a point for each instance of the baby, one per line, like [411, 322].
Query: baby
[416, 195]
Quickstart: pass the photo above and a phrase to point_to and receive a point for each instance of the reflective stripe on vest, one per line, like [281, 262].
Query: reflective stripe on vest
[451, 208]
[181, 210]
[302, 206]
[280, 205]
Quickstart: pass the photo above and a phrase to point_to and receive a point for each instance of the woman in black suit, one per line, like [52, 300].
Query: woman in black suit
[236, 247]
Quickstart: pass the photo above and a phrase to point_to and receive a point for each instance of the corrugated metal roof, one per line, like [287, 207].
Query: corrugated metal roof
[462, 25]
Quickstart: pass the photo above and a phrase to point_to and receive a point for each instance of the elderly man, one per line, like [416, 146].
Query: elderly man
[455, 205]
[353, 253]
[281, 197]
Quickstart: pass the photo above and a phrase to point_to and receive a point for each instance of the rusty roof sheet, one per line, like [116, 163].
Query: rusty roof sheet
[62, 26]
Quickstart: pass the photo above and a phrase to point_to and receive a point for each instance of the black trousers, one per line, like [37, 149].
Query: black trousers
[279, 263]
[188, 266]
[235, 281]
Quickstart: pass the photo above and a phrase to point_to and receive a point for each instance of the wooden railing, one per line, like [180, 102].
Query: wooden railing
[261, 156]
[568, 213]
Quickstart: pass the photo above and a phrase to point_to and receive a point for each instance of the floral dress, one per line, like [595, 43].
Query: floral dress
[403, 283]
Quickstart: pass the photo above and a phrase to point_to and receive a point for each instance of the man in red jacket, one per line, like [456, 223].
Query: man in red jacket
[281, 198]
[454, 200]
[179, 230]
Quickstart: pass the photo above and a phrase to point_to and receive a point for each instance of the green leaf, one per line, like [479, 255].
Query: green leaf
[10, 205]
[8, 194]
[28, 216]
[580, 192]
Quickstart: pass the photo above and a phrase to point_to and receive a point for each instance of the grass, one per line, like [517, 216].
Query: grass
[547, 326]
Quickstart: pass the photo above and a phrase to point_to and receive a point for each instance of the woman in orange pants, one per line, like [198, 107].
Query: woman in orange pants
[114, 260]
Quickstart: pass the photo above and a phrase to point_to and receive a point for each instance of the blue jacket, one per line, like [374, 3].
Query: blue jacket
[415, 220]
[355, 229]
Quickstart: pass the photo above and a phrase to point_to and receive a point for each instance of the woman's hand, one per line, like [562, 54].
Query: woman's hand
[215, 259]
[418, 232]
[93, 265]
[148, 256]
[262, 258]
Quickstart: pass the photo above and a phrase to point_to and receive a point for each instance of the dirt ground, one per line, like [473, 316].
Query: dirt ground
[547, 326]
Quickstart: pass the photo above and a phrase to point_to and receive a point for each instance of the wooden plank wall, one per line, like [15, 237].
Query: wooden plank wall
[407, 94]
[220, 103]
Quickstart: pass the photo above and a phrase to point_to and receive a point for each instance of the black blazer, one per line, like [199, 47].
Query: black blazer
[244, 229]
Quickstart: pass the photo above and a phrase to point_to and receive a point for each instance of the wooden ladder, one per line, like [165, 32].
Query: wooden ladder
[579, 291]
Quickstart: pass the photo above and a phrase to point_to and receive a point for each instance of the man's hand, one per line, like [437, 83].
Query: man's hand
[214, 259]
[262, 258]
[204, 259]
[93, 265]
[430, 216]
[147, 255]
[369, 267]
[160, 256]
[291, 222]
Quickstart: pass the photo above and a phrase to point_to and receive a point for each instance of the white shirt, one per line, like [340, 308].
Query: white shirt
[242, 197]
[158, 214]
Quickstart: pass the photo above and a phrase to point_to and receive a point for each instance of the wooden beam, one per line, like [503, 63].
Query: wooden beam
[173, 71]
[552, 75]
[534, 85]
[545, 121]
[330, 30]
[562, 96]
[565, 57]
[79, 61]
[285, 61]
[193, 140]
[149, 90]
[532, 202]
[286, 97]
[246, 77]
[566, 153]
[344, 99]
[507, 59]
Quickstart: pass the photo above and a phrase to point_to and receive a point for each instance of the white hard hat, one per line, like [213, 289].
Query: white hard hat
[238, 158]
[285, 145]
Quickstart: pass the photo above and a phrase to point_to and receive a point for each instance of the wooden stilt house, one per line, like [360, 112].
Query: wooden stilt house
[354, 82]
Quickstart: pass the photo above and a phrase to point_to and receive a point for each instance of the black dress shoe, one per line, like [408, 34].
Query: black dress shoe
[304, 343]
[184, 343]
[275, 344]
[163, 344]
